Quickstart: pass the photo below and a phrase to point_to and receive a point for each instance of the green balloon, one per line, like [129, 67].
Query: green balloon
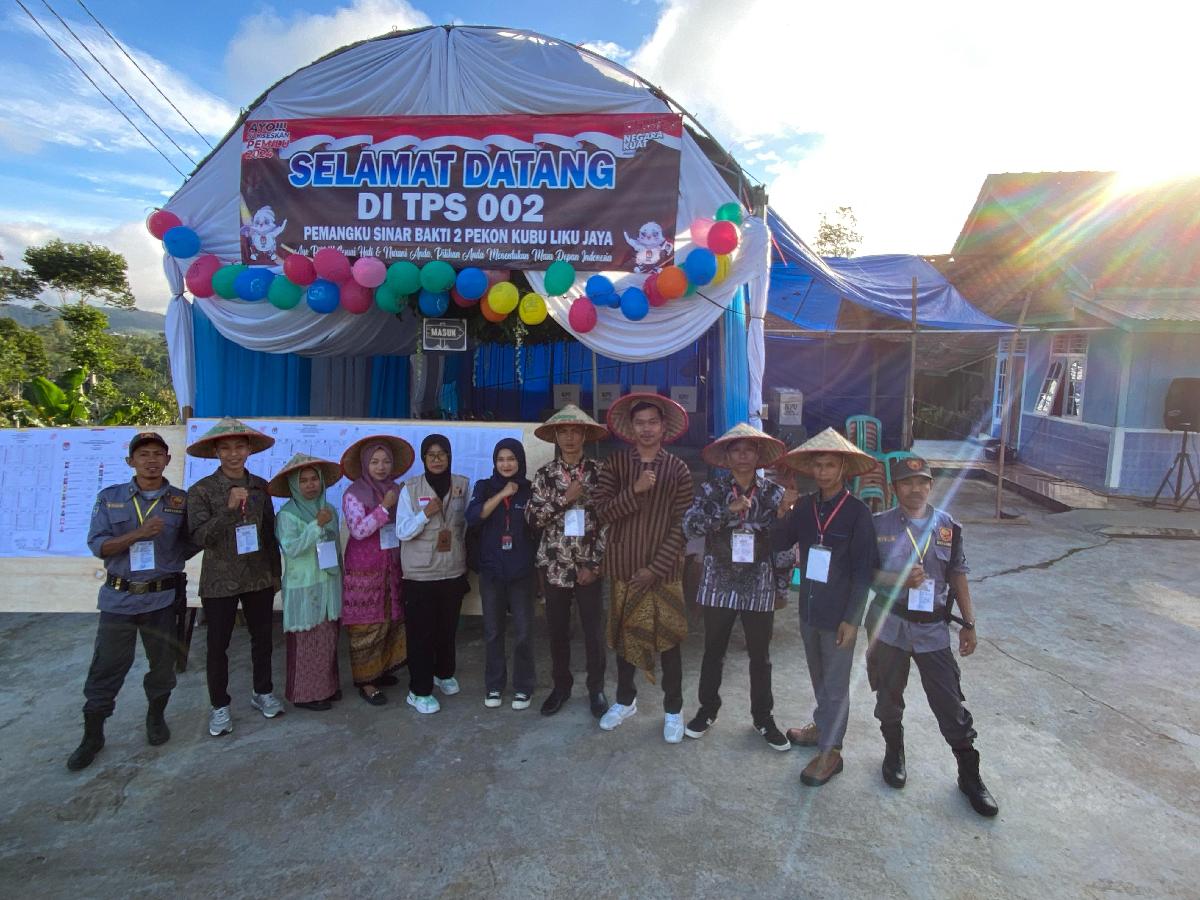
[387, 299]
[559, 277]
[730, 212]
[404, 278]
[691, 289]
[223, 279]
[437, 276]
[284, 294]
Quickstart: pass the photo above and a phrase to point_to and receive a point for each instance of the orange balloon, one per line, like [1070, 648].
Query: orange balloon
[490, 314]
[672, 282]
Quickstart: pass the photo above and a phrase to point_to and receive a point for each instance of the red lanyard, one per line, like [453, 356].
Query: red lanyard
[749, 496]
[508, 515]
[822, 527]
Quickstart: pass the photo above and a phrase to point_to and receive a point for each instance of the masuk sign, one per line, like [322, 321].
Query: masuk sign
[444, 334]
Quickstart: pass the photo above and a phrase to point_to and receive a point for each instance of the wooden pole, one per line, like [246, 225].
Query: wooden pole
[910, 398]
[1006, 403]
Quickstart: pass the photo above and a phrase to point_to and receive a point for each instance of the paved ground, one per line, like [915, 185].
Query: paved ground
[1083, 689]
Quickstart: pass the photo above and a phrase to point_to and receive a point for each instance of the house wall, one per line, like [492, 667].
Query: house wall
[1155, 360]
[1102, 378]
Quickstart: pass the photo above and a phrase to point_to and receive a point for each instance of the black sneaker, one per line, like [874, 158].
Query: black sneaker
[699, 725]
[773, 736]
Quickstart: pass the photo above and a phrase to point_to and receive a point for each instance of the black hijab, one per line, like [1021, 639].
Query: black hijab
[439, 483]
[518, 450]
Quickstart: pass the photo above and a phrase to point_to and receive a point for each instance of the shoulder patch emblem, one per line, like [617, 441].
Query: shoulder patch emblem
[945, 535]
[176, 501]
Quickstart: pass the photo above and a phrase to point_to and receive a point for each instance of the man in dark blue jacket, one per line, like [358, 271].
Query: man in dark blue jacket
[833, 539]
[507, 548]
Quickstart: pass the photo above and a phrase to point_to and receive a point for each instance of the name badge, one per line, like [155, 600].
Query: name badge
[387, 536]
[506, 542]
[327, 557]
[743, 546]
[443, 541]
[573, 523]
[247, 539]
[920, 599]
[141, 556]
[818, 564]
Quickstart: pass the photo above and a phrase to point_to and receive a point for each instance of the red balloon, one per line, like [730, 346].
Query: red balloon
[723, 237]
[495, 276]
[161, 221]
[490, 314]
[332, 265]
[672, 282]
[356, 298]
[300, 270]
[582, 317]
[199, 275]
[460, 300]
[650, 289]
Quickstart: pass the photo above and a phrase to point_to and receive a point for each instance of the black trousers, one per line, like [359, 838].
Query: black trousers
[757, 627]
[431, 611]
[220, 614]
[116, 643]
[887, 671]
[671, 677]
[591, 620]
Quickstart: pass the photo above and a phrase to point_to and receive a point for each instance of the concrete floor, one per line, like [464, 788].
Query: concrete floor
[1083, 690]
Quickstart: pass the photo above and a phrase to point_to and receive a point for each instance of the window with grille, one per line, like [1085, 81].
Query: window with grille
[1062, 389]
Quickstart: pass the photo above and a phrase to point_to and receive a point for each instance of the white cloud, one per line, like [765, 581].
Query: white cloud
[609, 50]
[141, 251]
[915, 105]
[268, 47]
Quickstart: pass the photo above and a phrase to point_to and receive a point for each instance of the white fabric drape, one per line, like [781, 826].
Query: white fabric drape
[181, 351]
[758, 287]
[463, 71]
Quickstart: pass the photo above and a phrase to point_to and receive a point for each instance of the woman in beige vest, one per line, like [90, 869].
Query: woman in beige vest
[435, 580]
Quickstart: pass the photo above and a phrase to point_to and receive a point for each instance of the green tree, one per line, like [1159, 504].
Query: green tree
[22, 355]
[90, 347]
[82, 271]
[18, 284]
[838, 236]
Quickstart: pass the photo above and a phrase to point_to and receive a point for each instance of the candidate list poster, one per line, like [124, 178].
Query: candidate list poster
[507, 192]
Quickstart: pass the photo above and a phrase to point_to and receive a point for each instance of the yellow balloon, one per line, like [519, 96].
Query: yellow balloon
[722, 269]
[532, 309]
[502, 298]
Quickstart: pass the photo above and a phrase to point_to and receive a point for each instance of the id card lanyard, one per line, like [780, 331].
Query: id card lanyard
[246, 535]
[742, 539]
[573, 518]
[141, 554]
[920, 599]
[506, 541]
[820, 556]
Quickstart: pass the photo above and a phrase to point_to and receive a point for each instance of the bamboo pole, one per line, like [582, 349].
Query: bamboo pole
[910, 399]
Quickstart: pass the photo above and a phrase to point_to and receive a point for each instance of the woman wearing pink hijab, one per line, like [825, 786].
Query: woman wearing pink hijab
[372, 610]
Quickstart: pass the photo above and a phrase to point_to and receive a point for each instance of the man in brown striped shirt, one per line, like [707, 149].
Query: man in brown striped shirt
[642, 495]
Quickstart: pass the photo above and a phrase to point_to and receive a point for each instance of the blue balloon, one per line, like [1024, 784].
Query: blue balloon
[634, 304]
[471, 283]
[599, 290]
[324, 296]
[253, 283]
[433, 304]
[181, 242]
[700, 266]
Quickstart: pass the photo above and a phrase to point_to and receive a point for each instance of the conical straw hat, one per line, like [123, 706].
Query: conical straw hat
[571, 415]
[858, 462]
[278, 486]
[402, 455]
[675, 417]
[205, 446]
[769, 448]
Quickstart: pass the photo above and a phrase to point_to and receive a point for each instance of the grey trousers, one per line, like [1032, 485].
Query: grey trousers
[887, 670]
[829, 667]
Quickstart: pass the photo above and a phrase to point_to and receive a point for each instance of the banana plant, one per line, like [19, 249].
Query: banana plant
[59, 402]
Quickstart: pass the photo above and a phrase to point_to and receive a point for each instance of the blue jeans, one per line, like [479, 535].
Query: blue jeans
[499, 598]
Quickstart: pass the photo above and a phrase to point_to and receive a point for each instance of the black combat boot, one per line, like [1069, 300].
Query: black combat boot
[972, 785]
[93, 740]
[894, 772]
[157, 731]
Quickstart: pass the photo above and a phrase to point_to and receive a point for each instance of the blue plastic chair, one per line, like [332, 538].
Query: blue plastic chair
[865, 432]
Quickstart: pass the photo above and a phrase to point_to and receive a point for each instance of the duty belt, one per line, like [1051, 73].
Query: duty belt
[117, 583]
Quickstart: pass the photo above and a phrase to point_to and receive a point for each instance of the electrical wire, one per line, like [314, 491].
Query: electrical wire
[121, 47]
[82, 71]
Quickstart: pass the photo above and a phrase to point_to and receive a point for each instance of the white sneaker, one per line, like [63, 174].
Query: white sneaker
[617, 713]
[267, 704]
[520, 701]
[220, 721]
[424, 705]
[673, 728]
[448, 686]
[493, 700]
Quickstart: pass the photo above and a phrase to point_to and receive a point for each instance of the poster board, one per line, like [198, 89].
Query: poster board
[55, 474]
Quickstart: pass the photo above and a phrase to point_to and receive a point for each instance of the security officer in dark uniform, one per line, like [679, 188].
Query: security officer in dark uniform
[922, 562]
[139, 529]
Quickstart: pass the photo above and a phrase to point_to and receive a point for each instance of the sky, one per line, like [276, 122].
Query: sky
[897, 110]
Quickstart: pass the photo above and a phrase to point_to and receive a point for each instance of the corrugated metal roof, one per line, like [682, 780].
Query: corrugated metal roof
[1151, 308]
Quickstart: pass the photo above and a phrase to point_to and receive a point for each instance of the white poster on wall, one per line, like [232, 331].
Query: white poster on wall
[26, 490]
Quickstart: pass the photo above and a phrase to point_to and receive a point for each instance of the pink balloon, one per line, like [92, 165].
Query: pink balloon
[161, 221]
[722, 238]
[369, 271]
[582, 317]
[495, 276]
[460, 300]
[356, 298]
[199, 275]
[650, 289]
[300, 270]
[332, 265]
[700, 229]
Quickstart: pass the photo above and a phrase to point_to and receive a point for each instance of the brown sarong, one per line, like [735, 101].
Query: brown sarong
[312, 667]
[642, 623]
[376, 649]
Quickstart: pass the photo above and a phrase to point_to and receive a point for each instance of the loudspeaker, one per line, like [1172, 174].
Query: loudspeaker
[1181, 412]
